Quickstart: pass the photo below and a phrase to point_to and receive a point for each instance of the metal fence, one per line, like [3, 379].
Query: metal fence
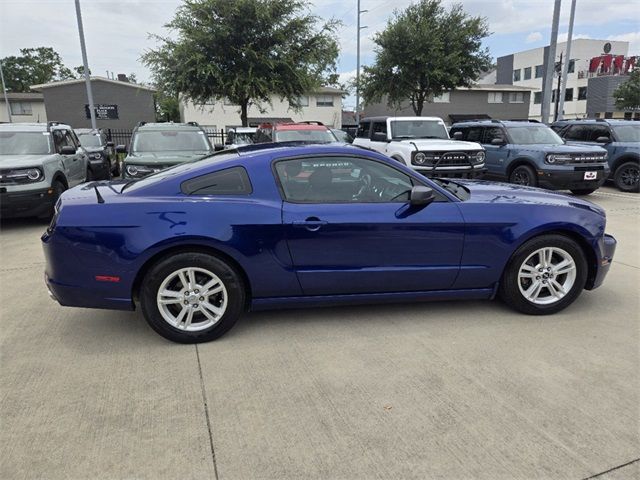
[122, 136]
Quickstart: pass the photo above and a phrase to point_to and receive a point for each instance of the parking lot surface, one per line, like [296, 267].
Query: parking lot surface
[431, 390]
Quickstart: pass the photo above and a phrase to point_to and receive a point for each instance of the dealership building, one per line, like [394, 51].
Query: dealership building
[119, 104]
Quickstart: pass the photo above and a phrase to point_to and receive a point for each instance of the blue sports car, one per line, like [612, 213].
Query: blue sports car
[272, 226]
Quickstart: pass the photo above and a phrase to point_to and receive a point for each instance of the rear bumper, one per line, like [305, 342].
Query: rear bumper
[32, 203]
[604, 253]
[572, 179]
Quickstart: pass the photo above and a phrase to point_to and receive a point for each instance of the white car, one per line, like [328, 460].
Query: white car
[422, 143]
[238, 136]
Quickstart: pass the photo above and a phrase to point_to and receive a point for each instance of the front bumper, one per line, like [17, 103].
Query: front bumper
[604, 257]
[30, 203]
[101, 169]
[573, 178]
[477, 171]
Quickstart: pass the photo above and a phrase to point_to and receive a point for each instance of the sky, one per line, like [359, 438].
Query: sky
[117, 31]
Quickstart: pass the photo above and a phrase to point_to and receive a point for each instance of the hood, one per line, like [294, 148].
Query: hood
[435, 144]
[483, 191]
[565, 148]
[23, 161]
[163, 158]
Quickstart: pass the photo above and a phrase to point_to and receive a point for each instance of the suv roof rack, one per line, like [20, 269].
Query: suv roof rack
[52, 123]
[195, 124]
[310, 122]
[140, 124]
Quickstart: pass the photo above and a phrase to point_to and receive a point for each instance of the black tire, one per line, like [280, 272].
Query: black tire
[154, 278]
[509, 289]
[583, 191]
[627, 177]
[58, 188]
[523, 175]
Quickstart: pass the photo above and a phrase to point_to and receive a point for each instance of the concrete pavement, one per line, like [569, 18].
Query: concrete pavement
[435, 390]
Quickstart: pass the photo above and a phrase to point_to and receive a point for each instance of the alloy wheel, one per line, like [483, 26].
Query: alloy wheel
[630, 176]
[547, 275]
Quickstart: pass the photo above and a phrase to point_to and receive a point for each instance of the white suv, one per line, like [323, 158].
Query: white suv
[422, 143]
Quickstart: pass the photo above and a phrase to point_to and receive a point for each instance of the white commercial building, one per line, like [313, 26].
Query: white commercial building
[527, 69]
[324, 105]
[25, 108]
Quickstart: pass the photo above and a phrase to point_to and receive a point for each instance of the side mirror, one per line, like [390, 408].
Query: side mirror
[379, 137]
[121, 149]
[217, 147]
[68, 150]
[603, 140]
[421, 195]
[498, 141]
[109, 144]
[457, 135]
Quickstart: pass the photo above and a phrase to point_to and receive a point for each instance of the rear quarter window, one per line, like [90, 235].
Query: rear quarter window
[230, 181]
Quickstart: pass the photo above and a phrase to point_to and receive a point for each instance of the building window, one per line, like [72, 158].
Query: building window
[527, 73]
[608, 114]
[495, 97]
[628, 115]
[572, 66]
[538, 71]
[516, 75]
[20, 108]
[537, 98]
[516, 97]
[303, 101]
[582, 93]
[442, 98]
[324, 101]
[568, 95]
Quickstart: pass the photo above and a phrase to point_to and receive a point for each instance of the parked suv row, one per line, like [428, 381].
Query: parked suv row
[530, 153]
[38, 161]
[621, 140]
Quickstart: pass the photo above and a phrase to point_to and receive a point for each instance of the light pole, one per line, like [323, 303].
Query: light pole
[87, 75]
[358, 65]
[547, 85]
[4, 91]
[567, 55]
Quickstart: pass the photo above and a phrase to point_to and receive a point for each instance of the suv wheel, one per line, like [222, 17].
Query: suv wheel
[58, 188]
[192, 297]
[523, 175]
[627, 177]
[544, 275]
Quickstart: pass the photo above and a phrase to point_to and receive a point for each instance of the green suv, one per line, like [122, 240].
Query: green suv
[156, 146]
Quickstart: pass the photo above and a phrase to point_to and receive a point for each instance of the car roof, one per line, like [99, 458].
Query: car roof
[243, 129]
[33, 127]
[384, 118]
[594, 121]
[87, 130]
[168, 126]
[299, 126]
[504, 123]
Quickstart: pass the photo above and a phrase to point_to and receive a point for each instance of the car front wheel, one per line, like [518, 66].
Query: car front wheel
[192, 297]
[544, 276]
[523, 175]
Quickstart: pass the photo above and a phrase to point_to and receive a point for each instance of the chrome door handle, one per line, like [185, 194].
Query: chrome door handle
[313, 224]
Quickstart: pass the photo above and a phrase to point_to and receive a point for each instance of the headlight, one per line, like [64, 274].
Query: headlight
[139, 170]
[23, 175]
[557, 159]
[95, 156]
[419, 158]
[480, 156]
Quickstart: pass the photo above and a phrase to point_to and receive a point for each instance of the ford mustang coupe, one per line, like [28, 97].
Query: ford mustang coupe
[272, 226]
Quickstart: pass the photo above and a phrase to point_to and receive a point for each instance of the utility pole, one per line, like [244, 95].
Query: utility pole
[87, 75]
[558, 70]
[565, 69]
[6, 98]
[547, 86]
[358, 64]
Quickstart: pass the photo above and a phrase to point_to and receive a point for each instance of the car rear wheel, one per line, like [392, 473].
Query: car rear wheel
[583, 191]
[627, 177]
[544, 276]
[192, 297]
[523, 175]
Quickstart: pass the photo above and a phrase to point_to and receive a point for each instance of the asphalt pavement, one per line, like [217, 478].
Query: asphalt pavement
[451, 390]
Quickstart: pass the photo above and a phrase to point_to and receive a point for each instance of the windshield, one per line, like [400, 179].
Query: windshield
[319, 136]
[24, 143]
[627, 133]
[418, 129]
[243, 138]
[170, 141]
[538, 134]
[89, 140]
[179, 168]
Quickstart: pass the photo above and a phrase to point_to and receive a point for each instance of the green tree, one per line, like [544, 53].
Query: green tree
[32, 67]
[167, 107]
[627, 94]
[424, 51]
[245, 51]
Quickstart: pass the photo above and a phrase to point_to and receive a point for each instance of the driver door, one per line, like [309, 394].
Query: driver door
[350, 229]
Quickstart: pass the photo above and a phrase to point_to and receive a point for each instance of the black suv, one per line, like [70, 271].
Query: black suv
[103, 161]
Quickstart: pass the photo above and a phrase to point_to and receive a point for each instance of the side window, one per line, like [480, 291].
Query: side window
[492, 133]
[596, 131]
[62, 139]
[342, 180]
[74, 138]
[575, 133]
[474, 134]
[379, 131]
[231, 181]
[363, 130]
